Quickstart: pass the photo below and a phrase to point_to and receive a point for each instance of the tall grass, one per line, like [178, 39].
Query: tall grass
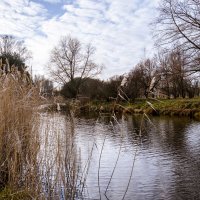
[58, 160]
[38, 155]
[38, 158]
[19, 135]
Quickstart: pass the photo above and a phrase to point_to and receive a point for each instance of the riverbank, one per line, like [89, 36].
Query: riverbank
[170, 107]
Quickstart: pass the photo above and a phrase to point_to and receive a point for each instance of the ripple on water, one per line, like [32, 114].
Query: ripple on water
[167, 164]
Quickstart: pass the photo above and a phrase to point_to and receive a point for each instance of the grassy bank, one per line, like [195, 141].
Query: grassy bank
[170, 107]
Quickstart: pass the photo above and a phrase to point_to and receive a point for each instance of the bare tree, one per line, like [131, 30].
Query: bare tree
[72, 62]
[175, 80]
[14, 50]
[179, 22]
[147, 70]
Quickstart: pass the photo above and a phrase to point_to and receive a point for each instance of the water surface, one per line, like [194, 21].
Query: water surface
[160, 162]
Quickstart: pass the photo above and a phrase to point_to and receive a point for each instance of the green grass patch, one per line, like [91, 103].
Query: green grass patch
[171, 107]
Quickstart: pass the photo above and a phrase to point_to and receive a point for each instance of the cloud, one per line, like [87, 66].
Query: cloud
[118, 29]
[52, 1]
[20, 18]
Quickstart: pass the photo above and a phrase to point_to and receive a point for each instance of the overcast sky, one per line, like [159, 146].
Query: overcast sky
[119, 29]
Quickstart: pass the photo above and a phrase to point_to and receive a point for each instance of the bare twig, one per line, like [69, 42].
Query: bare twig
[100, 167]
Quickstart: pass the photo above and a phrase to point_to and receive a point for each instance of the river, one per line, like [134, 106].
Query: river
[136, 157]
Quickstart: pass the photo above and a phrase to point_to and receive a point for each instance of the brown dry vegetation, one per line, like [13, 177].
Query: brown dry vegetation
[18, 136]
[38, 159]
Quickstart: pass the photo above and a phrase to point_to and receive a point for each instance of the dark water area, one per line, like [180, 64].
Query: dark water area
[157, 159]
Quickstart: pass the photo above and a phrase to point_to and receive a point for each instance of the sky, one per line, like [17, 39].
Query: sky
[119, 29]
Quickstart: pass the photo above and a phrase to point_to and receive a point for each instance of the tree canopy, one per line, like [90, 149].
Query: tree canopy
[178, 23]
[14, 50]
[73, 62]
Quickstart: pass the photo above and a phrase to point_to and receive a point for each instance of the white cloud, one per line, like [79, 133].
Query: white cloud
[53, 1]
[20, 18]
[118, 29]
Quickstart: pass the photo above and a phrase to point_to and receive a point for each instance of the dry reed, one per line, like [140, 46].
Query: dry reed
[38, 159]
[19, 135]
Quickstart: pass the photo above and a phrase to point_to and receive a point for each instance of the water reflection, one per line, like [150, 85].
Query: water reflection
[167, 162]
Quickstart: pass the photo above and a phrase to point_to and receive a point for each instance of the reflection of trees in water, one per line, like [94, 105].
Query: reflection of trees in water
[172, 131]
[138, 129]
[170, 137]
[131, 128]
[163, 147]
[159, 132]
[162, 132]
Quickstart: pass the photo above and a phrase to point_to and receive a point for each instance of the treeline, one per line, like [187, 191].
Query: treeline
[173, 72]
[163, 76]
[167, 75]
